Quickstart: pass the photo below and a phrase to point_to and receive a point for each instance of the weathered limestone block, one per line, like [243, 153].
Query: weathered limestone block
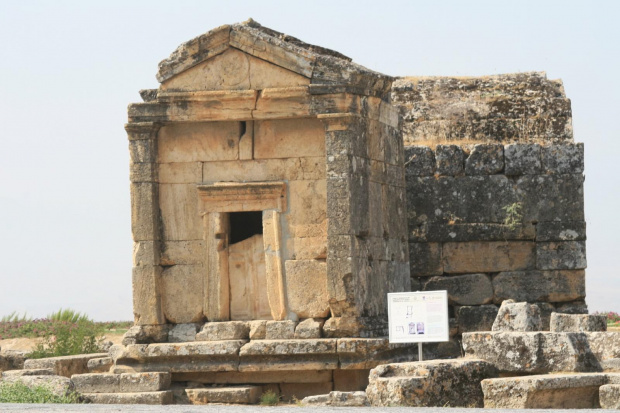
[560, 231]
[609, 396]
[146, 334]
[544, 286]
[146, 291]
[522, 159]
[182, 293]
[425, 258]
[154, 398]
[546, 309]
[575, 307]
[65, 366]
[450, 160]
[309, 328]
[226, 395]
[567, 158]
[146, 253]
[467, 257]
[183, 253]
[419, 161]
[144, 382]
[475, 318]
[289, 138]
[550, 197]
[567, 255]
[258, 329]
[553, 391]
[368, 353]
[27, 372]
[58, 385]
[474, 204]
[279, 355]
[100, 365]
[180, 173]
[306, 282]
[143, 151]
[341, 327]
[485, 159]
[144, 211]
[143, 172]
[280, 330]
[577, 322]
[224, 330]
[468, 289]
[438, 383]
[182, 333]
[338, 399]
[13, 359]
[180, 218]
[517, 317]
[198, 141]
[96, 383]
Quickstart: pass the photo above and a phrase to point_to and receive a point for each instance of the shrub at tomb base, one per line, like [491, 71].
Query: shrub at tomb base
[66, 339]
[18, 392]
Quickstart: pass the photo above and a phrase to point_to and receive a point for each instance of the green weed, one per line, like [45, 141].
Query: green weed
[66, 339]
[18, 392]
[514, 215]
[269, 398]
[14, 317]
[69, 315]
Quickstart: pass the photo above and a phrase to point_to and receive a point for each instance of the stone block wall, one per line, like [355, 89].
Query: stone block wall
[490, 222]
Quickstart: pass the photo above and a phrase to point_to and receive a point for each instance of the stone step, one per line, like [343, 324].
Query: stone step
[121, 383]
[260, 355]
[156, 397]
[609, 396]
[27, 372]
[228, 395]
[64, 366]
[549, 391]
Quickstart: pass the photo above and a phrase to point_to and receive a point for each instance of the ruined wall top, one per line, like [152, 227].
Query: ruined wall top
[521, 107]
[324, 67]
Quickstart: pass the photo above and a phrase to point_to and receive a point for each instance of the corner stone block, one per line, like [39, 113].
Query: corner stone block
[146, 253]
[537, 286]
[425, 259]
[147, 308]
[145, 211]
[307, 288]
[143, 172]
[560, 231]
[468, 257]
[475, 318]
[450, 160]
[143, 151]
[522, 159]
[568, 255]
[419, 161]
[182, 293]
[485, 159]
[563, 158]
[468, 289]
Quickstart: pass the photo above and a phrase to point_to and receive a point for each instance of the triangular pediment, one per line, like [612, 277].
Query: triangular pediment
[250, 56]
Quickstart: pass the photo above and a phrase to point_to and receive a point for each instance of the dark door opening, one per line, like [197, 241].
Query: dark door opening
[244, 225]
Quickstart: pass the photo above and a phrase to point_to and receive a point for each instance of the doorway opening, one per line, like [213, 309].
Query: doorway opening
[244, 225]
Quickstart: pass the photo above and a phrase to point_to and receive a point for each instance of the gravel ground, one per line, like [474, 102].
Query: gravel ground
[100, 408]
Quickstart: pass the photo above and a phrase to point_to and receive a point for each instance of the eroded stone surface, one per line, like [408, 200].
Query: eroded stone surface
[226, 395]
[225, 330]
[65, 366]
[338, 399]
[609, 396]
[577, 322]
[440, 383]
[517, 317]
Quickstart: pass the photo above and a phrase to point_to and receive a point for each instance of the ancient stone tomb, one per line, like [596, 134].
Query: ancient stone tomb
[254, 171]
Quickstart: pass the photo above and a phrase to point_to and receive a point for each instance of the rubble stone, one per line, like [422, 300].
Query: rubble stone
[224, 330]
[419, 161]
[438, 383]
[450, 160]
[517, 317]
[309, 328]
[338, 399]
[485, 159]
[577, 322]
[65, 366]
[553, 391]
[182, 333]
[522, 159]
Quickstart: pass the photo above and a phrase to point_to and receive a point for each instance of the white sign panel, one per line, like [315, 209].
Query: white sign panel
[418, 317]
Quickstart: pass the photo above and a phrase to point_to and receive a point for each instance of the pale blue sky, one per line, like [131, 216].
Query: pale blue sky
[68, 69]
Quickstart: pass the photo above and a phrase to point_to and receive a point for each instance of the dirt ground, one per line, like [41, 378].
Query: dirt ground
[29, 344]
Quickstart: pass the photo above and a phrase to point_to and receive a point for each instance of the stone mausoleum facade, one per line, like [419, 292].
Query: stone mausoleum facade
[279, 191]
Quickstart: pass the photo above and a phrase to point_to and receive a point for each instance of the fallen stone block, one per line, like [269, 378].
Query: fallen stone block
[15, 359]
[146, 334]
[65, 366]
[552, 391]
[155, 398]
[227, 395]
[100, 365]
[27, 372]
[58, 385]
[609, 396]
[96, 383]
[436, 383]
[517, 317]
[290, 392]
[224, 330]
[338, 399]
[577, 322]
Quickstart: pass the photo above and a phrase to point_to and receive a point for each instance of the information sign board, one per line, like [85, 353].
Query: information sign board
[418, 317]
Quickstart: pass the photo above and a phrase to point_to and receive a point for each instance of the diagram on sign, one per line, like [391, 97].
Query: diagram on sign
[418, 317]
